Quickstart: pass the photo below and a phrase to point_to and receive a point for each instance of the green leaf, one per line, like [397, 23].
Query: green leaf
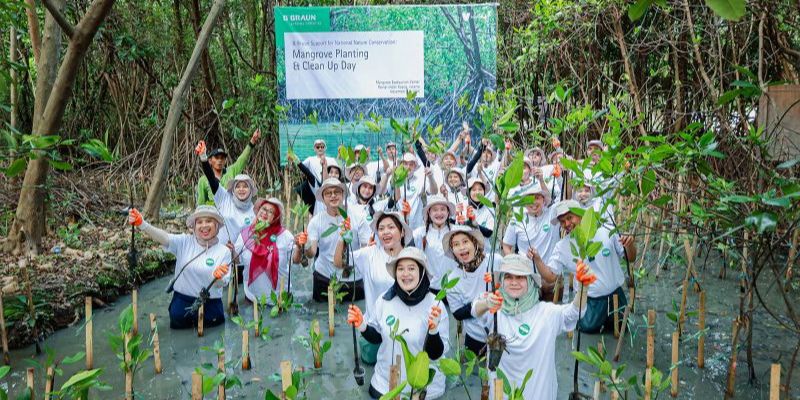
[4, 371]
[74, 358]
[16, 167]
[449, 367]
[417, 373]
[762, 221]
[729, 9]
[330, 230]
[513, 175]
[648, 182]
[637, 10]
[59, 165]
[81, 377]
[737, 199]
[394, 392]
[271, 396]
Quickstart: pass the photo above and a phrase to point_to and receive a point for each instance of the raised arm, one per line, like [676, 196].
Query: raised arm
[159, 235]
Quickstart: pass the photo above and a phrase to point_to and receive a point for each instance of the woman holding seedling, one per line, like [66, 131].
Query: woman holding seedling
[436, 215]
[235, 203]
[265, 248]
[200, 260]
[409, 309]
[530, 327]
[467, 261]
[392, 234]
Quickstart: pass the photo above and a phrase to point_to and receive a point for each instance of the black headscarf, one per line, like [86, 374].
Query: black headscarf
[413, 298]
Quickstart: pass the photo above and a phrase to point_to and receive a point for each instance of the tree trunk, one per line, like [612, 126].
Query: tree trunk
[14, 96]
[33, 28]
[49, 112]
[156, 192]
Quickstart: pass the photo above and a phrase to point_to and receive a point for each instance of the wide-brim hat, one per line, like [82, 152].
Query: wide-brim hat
[359, 147]
[330, 183]
[204, 211]
[473, 181]
[554, 153]
[458, 171]
[475, 233]
[241, 178]
[409, 157]
[537, 150]
[562, 208]
[364, 179]
[519, 265]
[434, 200]
[272, 200]
[412, 253]
[353, 167]
[408, 235]
[596, 142]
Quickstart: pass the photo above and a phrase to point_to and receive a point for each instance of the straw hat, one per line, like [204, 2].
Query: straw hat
[434, 200]
[476, 234]
[204, 211]
[412, 253]
[408, 235]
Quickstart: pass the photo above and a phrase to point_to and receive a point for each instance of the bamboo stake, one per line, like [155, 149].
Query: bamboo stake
[775, 382]
[682, 315]
[602, 351]
[651, 340]
[498, 389]
[256, 333]
[156, 345]
[135, 307]
[701, 325]
[730, 390]
[281, 285]
[88, 330]
[557, 291]
[394, 375]
[29, 381]
[648, 384]
[48, 383]
[632, 301]
[675, 346]
[331, 303]
[596, 392]
[622, 331]
[245, 349]
[3, 334]
[286, 377]
[128, 369]
[197, 386]
[221, 367]
[648, 220]
[615, 300]
[315, 347]
[614, 394]
[234, 281]
[792, 254]
[200, 317]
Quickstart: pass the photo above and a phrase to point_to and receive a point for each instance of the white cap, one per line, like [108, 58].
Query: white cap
[562, 208]
[319, 141]
[409, 157]
[358, 147]
[516, 264]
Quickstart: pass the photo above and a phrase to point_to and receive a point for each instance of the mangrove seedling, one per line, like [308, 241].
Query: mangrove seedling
[605, 372]
[51, 361]
[261, 330]
[295, 391]
[128, 347]
[315, 343]
[282, 301]
[419, 374]
[213, 376]
[511, 392]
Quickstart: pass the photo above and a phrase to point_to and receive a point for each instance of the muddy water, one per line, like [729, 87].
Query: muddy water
[181, 350]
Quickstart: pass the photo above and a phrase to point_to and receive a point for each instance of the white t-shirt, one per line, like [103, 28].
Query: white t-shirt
[327, 245]
[200, 272]
[531, 345]
[236, 219]
[262, 285]
[437, 261]
[542, 235]
[469, 287]
[315, 166]
[416, 183]
[370, 262]
[489, 174]
[606, 264]
[484, 216]
[385, 314]
[553, 183]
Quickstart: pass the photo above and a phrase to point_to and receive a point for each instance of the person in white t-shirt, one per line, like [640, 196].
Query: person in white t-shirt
[530, 327]
[416, 183]
[606, 265]
[364, 204]
[469, 262]
[437, 215]
[265, 249]
[408, 307]
[370, 261]
[477, 213]
[200, 261]
[320, 242]
[454, 186]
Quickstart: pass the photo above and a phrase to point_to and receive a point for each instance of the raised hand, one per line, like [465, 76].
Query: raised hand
[256, 136]
[301, 239]
[434, 317]
[495, 301]
[135, 217]
[406, 208]
[200, 149]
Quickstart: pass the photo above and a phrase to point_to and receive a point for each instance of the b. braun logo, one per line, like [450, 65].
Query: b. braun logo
[302, 18]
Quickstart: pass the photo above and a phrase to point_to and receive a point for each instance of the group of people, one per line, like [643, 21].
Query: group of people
[397, 243]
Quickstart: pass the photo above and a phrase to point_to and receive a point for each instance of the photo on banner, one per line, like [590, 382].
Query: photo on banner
[345, 72]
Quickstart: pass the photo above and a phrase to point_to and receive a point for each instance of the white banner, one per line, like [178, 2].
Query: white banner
[354, 65]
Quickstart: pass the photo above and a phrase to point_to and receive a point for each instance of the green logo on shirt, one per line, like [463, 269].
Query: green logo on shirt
[412, 189]
[369, 218]
[546, 228]
[272, 238]
[606, 252]
[247, 221]
[390, 320]
[209, 261]
[524, 329]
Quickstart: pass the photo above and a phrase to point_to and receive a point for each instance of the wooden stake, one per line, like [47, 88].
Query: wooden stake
[200, 317]
[485, 391]
[221, 368]
[498, 389]
[632, 300]
[128, 370]
[682, 315]
[135, 307]
[197, 386]
[286, 376]
[315, 347]
[234, 281]
[602, 351]
[557, 291]
[29, 379]
[701, 325]
[88, 330]
[622, 331]
[648, 384]
[675, 346]
[245, 349]
[651, 339]
[156, 345]
[596, 392]
[614, 394]
[3, 334]
[615, 300]
[569, 335]
[281, 285]
[48, 383]
[730, 390]
[394, 374]
[775, 382]
[256, 333]
[331, 303]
